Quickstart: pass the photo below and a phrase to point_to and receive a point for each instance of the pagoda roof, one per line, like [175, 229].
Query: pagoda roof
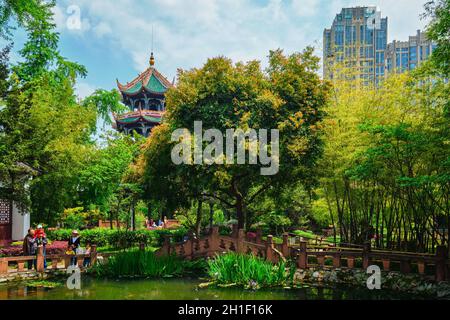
[140, 116]
[150, 81]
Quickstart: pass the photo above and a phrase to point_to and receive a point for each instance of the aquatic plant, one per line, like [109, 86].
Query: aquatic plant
[43, 284]
[248, 271]
[144, 263]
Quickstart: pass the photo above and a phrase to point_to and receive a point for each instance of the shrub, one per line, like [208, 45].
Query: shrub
[127, 239]
[59, 234]
[225, 230]
[100, 237]
[117, 238]
[177, 234]
[248, 271]
[56, 247]
[78, 218]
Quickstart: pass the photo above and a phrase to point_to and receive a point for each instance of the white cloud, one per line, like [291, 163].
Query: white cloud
[69, 19]
[84, 89]
[187, 32]
[102, 29]
[305, 8]
[404, 16]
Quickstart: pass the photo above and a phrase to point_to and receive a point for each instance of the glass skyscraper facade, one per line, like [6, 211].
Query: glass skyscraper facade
[357, 39]
[404, 56]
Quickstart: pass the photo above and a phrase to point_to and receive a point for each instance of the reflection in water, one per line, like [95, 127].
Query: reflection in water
[181, 289]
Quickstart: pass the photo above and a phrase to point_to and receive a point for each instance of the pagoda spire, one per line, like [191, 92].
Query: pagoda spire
[152, 60]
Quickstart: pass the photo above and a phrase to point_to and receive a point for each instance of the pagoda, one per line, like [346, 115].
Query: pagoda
[145, 98]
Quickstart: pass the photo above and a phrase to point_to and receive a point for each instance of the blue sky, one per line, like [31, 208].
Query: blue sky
[114, 40]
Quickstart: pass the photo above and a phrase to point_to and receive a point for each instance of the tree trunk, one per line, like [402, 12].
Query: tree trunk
[211, 215]
[133, 217]
[240, 212]
[198, 221]
[149, 211]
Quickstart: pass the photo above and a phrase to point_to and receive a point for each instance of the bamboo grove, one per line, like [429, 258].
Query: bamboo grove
[385, 168]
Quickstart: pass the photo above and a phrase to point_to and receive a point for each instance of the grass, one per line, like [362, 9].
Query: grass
[305, 234]
[248, 271]
[139, 263]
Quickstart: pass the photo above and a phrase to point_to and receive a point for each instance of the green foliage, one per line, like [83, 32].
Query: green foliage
[119, 238]
[385, 166]
[45, 133]
[438, 30]
[40, 52]
[176, 234]
[78, 218]
[274, 223]
[105, 102]
[107, 237]
[305, 234]
[101, 180]
[43, 284]
[289, 97]
[248, 271]
[23, 12]
[139, 263]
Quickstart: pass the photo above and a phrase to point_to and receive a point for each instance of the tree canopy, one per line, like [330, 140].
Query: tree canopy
[288, 96]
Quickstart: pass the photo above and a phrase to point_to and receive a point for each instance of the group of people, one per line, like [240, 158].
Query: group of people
[33, 240]
[37, 238]
[151, 224]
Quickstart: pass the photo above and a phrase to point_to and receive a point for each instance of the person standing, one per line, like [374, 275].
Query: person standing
[74, 244]
[29, 247]
[41, 241]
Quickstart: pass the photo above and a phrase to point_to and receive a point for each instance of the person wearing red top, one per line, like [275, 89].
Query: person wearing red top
[41, 240]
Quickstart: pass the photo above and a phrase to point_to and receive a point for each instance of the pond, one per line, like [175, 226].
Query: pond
[181, 289]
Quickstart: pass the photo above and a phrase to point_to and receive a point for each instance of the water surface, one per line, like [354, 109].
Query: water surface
[182, 289]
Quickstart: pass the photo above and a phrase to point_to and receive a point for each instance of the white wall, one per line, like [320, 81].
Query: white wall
[20, 223]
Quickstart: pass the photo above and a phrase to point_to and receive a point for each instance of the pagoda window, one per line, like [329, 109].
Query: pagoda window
[154, 104]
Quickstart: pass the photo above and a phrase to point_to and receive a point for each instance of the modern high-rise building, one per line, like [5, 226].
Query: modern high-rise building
[404, 56]
[357, 40]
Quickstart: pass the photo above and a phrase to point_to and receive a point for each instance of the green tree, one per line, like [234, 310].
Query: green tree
[23, 12]
[385, 164]
[289, 97]
[438, 30]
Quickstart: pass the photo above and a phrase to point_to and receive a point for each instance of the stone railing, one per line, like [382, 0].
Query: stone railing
[214, 244]
[55, 261]
[342, 257]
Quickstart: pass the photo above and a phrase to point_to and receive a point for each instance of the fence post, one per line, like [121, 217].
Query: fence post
[93, 254]
[166, 245]
[259, 234]
[40, 259]
[269, 247]
[214, 241]
[3, 266]
[366, 255]
[386, 264]
[405, 266]
[337, 260]
[302, 259]
[441, 263]
[285, 245]
[234, 230]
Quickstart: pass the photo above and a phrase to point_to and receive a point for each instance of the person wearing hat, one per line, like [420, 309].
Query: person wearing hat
[74, 244]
